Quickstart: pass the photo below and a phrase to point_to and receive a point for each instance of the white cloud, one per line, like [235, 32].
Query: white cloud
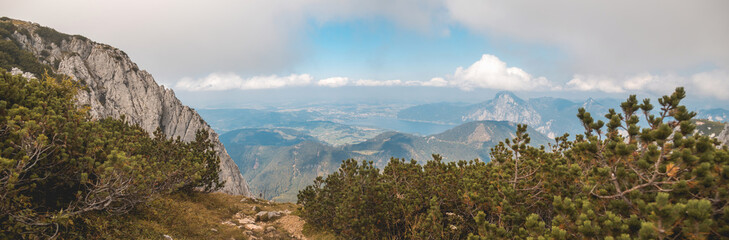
[640, 82]
[490, 72]
[343, 81]
[378, 83]
[594, 83]
[713, 84]
[228, 81]
[609, 37]
[436, 82]
[333, 82]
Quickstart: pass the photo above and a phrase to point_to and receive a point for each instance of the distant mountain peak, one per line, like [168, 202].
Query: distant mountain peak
[507, 97]
[505, 106]
[589, 103]
[503, 94]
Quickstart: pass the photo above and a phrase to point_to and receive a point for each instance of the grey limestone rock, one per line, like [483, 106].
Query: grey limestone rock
[17, 71]
[265, 216]
[724, 135]
[505, 107]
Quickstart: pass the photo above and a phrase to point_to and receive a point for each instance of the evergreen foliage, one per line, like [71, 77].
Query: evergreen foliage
[57, 166]
[615, 181]
[52, 35]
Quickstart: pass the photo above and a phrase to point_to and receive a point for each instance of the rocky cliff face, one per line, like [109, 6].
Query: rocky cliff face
[117, 87]
[724, 135]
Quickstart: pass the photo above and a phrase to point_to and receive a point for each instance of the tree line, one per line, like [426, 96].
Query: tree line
[618, 180]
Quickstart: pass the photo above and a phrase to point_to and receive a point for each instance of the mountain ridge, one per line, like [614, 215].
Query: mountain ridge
[550, 116]
[486, 131]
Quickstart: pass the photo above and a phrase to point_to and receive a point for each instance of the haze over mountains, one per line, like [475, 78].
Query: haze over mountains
[550, 116]
[281, 151]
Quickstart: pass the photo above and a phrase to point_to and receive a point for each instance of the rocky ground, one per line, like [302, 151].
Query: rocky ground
[261, 222]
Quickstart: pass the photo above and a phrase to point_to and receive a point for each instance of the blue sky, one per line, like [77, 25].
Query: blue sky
[379, 49]
[436, 50]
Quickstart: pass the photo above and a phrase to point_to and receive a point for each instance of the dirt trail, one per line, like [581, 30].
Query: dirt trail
[262, 219]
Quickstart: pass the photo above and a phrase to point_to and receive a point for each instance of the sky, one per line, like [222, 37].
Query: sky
[224, 53]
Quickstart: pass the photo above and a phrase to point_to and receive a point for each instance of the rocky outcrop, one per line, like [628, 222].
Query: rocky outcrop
[116, 87]
[505, 107]
[18, 71]
[265, 216]
[724, 136]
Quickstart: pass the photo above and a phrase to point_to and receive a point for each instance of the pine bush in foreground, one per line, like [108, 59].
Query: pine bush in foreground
[621, 179]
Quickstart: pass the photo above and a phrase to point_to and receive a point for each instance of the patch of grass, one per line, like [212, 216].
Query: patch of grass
[179, 216]
[6, 29]
[81, 37]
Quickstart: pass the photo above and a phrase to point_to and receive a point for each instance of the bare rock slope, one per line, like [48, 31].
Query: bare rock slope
[117, 87]
[724, 135]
